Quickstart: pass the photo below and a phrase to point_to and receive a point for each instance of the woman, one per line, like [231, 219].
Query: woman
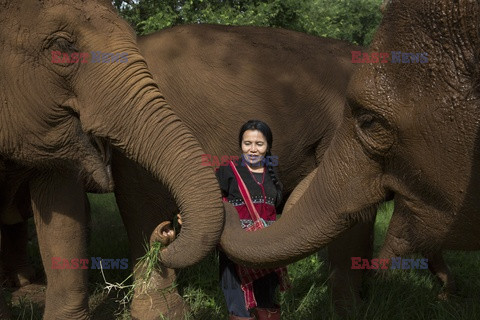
[256, 171]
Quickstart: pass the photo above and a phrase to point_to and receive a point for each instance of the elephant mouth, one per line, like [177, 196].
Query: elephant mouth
[104, 153]
[104, 149]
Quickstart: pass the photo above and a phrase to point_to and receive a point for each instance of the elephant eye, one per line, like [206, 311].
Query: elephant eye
[61, 41]
[366, 121]
[62, 51]
[65, 45]
[374, 131]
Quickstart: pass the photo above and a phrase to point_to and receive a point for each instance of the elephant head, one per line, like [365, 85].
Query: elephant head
[71, 72]
[410, 131]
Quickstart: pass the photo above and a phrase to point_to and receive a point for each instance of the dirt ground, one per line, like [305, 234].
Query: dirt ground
[34, 292]
[28, 302]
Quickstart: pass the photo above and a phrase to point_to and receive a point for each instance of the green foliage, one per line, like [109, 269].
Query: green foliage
[351, 20]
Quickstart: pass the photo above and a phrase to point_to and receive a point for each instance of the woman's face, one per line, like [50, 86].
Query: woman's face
[254, 146]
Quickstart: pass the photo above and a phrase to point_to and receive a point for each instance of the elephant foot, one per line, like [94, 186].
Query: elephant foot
[345, 281]
[443, 296]
[17, 270]
[157, 297]
[438, 267]
[147, 306]
[346, 303]
[448, 290]
[20, 278]
[345, 292]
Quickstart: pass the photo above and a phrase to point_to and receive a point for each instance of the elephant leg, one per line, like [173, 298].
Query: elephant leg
[144, 203]
[438, 267]
[15, 264]
[4, 310]
[346, 282]
[397, 243]
[14, 256]
[61, 218]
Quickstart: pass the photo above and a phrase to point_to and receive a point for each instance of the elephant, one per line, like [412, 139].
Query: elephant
[410, 132]
[218, 77]
[58, 98]
[256, 63]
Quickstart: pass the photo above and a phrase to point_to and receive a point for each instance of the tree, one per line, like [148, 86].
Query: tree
[351, 20]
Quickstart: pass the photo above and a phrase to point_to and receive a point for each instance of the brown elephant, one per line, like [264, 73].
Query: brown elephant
[287, 69]
[218, 77]
[55, 99]
[410, 132]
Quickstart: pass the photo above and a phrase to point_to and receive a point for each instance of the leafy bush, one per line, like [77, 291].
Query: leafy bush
[351, 20]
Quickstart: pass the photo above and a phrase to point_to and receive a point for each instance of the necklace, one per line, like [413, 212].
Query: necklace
[254, 179]
[260, 184]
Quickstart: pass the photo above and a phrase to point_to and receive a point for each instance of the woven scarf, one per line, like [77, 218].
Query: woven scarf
[248, 275]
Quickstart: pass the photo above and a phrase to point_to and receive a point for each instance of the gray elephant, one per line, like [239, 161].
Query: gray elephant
[216, 78]
[57, 96]
[410, 132]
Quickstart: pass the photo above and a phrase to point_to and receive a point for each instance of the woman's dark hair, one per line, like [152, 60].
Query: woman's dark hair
[267, 132]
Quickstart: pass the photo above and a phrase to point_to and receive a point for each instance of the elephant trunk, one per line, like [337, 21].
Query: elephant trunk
[175, 154]
[140, 123]
[346, 182]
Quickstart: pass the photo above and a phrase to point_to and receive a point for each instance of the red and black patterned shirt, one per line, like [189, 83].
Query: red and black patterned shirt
[229, 188]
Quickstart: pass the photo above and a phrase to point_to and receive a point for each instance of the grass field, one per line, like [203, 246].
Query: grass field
[402, 295]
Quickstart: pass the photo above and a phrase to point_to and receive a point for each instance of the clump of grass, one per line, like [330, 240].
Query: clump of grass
[150, 260]
[125, 292]
[27, 309]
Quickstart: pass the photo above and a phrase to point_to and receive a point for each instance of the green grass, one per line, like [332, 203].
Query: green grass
[401, 295]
